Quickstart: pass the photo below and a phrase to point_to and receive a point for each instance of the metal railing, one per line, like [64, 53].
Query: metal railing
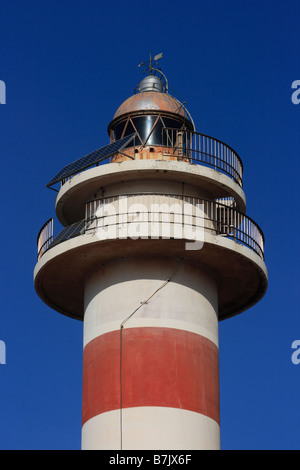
[189, 146]
[45, 237]
[203, 150]
[146, 209]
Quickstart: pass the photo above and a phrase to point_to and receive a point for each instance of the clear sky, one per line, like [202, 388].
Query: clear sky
[67, 66]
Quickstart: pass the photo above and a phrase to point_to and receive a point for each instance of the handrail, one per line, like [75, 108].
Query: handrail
[221, 219]
[194, 147]
[45, 237]
[204, 150]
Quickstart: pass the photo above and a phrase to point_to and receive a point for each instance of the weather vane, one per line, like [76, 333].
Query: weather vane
[152, 66]
[149, 64]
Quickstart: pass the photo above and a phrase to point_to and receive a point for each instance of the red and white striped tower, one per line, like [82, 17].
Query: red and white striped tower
[156, 250]
[151, 380]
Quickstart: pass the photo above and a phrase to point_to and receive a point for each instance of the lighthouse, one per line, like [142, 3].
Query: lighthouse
[155, 250]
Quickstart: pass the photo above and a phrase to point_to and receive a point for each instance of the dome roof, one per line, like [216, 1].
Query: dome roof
[152, 98]
[151, 101]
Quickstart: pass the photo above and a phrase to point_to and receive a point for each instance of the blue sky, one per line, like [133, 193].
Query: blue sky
[67, 67]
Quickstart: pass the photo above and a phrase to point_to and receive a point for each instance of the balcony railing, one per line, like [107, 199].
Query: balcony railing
[151, 215]
[45, 237]
[204, 150]
[181, 145]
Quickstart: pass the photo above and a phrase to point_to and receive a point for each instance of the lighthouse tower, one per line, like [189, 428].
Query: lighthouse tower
[155, 249]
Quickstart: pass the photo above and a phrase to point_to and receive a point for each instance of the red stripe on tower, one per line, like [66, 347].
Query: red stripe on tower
[156, 367]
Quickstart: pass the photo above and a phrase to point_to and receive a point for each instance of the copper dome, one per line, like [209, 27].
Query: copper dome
[151, 101]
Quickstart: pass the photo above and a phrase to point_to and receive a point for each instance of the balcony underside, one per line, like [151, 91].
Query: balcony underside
[60, 273]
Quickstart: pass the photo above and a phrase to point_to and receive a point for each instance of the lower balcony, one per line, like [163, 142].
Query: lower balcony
[212, 234]
[157, 216]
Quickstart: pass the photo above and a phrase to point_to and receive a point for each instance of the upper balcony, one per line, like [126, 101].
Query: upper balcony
[178, 155]
[174, 144]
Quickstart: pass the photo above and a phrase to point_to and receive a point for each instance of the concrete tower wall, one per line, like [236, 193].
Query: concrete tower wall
[154, 382]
